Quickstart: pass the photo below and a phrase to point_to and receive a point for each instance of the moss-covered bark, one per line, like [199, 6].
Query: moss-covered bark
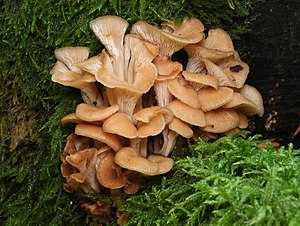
[31, 137]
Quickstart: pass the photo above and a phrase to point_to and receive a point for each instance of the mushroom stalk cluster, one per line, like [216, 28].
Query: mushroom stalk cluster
[129, 127]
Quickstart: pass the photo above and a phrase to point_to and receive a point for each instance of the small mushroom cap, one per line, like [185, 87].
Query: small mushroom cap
[187, 114]
[97, 133]
[221, 120]
[91, 113]
[201, 80]
[218, 39]
[90, 65]
[72, 55]
[211, 99]
[169, 43]
[252, 94]
[243, 124]
[165, 164]
[216, 71]
[197, 52]
[181, 128]
[145, 114]
[120, 124]
[166, 67]
[243, 104]
[70, 118]
[187, 94]
[128, 158]
[154, 127]
[58, 67]
[237, 70]
[109, 174]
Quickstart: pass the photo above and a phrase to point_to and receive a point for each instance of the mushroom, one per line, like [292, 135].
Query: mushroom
[128, 158]
[187, 114]
[221, 120]
[97, 133]
[198, 80]
[211, 99]
[121, 124]
[218, 39]
[91, 113]
[186, 93]
[109, 174]
[252, 94]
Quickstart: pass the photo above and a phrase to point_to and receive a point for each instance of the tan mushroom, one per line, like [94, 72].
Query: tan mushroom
[128, 158]
[72, 55]
[199, 80]
[218, 39]
[221, 120]
[180, 128]
[190, 31]
[187, 94]
[152, 128]
[211, 99]
[187, 114]
[120, 124]
[91, 113]
[109, 174]
[252, 94]
[165, 164]
[97, 133]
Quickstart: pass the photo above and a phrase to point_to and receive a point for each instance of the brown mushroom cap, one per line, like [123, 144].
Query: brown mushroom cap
[91, 113]
[181, 128]
[218, 39]
[145, 114]
[165, 164]
[252, 94]
[71, 55]
[237, 70]
[97, 133]
[154, 127]
[70, 118]
[187, 114]
[201, 80]
[128, 158]
[109, 174]
[216, 71]
[187, 94]
[221, 120]
[168, 42]
[243, 104]
[211, 99]
[120, 124]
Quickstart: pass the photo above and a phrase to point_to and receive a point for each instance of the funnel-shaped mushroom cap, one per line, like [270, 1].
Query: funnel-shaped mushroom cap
[120, 124]
[59, 67]
[165, 164]
[200, 80]
[237, 70]
[216, 71]
[219, 39]
[90, 65]
[128, 158]
[109, 174]
[72, 55]
[91, 113]
[181, 128]
[252, 94]
[221, 120]
[243, 104]
[187, 94]
[110, 30]
[166, 67]
[152, 128]
[170, 43]
[97, 133]
[187, 114]
[211, 99]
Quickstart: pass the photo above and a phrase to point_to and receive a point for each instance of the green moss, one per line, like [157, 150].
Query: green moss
[31, 138]
[228, 182]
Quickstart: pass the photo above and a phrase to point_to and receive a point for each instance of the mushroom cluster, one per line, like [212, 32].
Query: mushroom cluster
[137, 100]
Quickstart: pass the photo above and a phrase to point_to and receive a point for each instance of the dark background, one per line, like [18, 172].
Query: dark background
[272, 52]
